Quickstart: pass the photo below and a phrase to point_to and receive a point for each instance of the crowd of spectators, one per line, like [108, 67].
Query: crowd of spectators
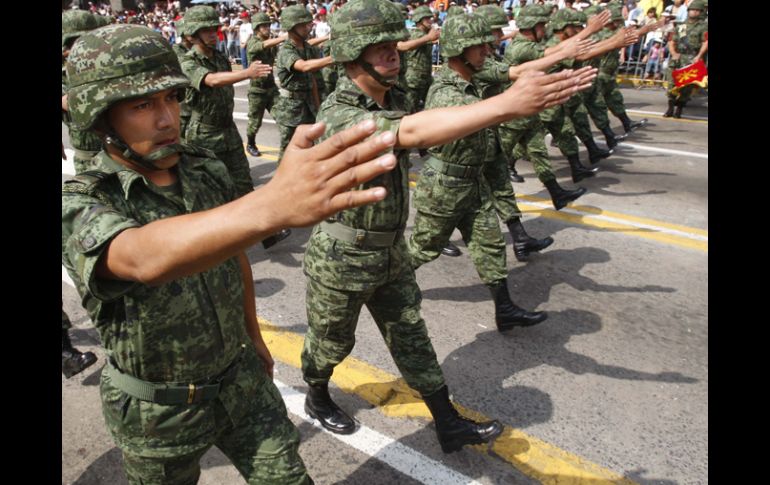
[648, 58]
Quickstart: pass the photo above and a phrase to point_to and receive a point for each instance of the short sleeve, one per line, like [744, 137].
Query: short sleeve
[194, 71]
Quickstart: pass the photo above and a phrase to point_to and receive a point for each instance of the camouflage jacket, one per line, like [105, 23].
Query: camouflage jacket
[493, 77]
[610, 62]
[343, 265]
[256, 51]
[688, 39]
[519, 51]
[418, 63]
[180, 52]
[299, 107]
[81, 140]
[450, 89]
[186, 330]
[213, 105]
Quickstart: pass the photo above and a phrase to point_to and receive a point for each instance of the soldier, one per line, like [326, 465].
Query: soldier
[529, 132]
[295, 68]
[688, 44]
[606, 83]
[211, 100]
[262, 91]
[75, 23]
[154, 239]
[180, 50]
[417, 68]
[210, 96]
[452, 191]
[73, 361]
[359, 256]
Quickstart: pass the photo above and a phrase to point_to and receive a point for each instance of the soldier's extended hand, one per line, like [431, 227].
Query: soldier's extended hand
[256, 70]
[578, 48]
[433, 34]
[631, 36]
[537, 91]
[314, 182]
[596, 22]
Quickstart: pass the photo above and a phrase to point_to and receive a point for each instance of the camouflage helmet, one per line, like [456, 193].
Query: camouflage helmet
[420, 13]
[200, 17]
[295, 15]
[494, 15]
[404, 10]
[593, 10]
[75, 23]
[581, 18]
[462, 31]
[115, 63]
[260, 19]
[617, 13]
[180, 27]
[103, 20]
[454, 10]
[565, 17]
[362, 23]
[698, 5]
[531, 15]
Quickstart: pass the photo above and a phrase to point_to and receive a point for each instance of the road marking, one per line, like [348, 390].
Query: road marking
[656, 114]
[623, 144]
[391, 395]
[240, 115]
[407, 460]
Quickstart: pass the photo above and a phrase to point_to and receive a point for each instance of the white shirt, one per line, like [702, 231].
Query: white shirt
[322, 29]
[245, 31]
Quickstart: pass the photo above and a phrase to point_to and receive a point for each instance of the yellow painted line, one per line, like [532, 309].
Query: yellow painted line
[531, 456]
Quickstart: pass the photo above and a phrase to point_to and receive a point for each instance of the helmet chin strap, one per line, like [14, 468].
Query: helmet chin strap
[147, 161]
[386, 82]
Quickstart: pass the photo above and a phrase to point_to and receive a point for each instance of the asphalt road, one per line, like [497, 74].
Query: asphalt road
[612, 388]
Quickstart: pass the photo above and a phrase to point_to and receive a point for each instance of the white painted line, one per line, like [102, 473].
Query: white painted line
[240, 115]
[404, 459]
[662, 150]
[65, 277]
[68, 165]
[705, 118]
[242, 99]
[245, 82]
[624, 222]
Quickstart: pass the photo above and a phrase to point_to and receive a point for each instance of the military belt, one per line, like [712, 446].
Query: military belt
[84, 154]
[453, 169]
[198, 117]
[303, 95]
[359, 237]
[168, 394]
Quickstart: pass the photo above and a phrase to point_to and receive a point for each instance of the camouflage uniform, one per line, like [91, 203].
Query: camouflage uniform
[211, 122]
[418, 65]
[343, 276]
[592, 97]
[554, 118]
[295, 105]
[688, 38]
[180, 50]
[452, 191]
[262, 91]
[190, 330]
[86, 144]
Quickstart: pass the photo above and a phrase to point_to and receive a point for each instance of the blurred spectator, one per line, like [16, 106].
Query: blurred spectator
[245, 31]
[653, 60]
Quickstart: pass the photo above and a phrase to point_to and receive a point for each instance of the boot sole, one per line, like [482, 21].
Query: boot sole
[69, 370]
[456, 445]
[511, 326]
[313, 415]
[523, 254]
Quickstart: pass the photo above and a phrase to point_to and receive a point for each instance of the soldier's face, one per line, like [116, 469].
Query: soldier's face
[426, 23]
[207, 36]
[383, 57]
[264, 31]
[303, 30]
[539, 31]
[476, 54]
[148, 123]
[693, 13]
[497, 34]
[570, 31]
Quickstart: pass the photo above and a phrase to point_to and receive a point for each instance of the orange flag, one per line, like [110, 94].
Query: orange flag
[695, 73]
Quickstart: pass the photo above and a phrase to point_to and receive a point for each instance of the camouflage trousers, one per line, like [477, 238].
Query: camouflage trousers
[258, 103]
[238, 167]
[597, 108]
[608, 87]
[286, 133]
[226, 142]
[578, 115]
[65, 320]
[395, 307]
[503, 197]
[532, 140]
[560, 127]
[443, 203]
[415, 98]
[163, 444]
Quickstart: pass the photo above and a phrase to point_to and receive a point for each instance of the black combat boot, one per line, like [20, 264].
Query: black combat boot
[455, 431]
[611, 137]
[507, 314]
[579, 172]
[670, 111]
[251, 146]
[678, 110]
[629, 125]
[523, 243]
[319, 405]
[271, 241]
[594, 152]
[451, 250]
[561, 197]
[73, 361]
[515, 177]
